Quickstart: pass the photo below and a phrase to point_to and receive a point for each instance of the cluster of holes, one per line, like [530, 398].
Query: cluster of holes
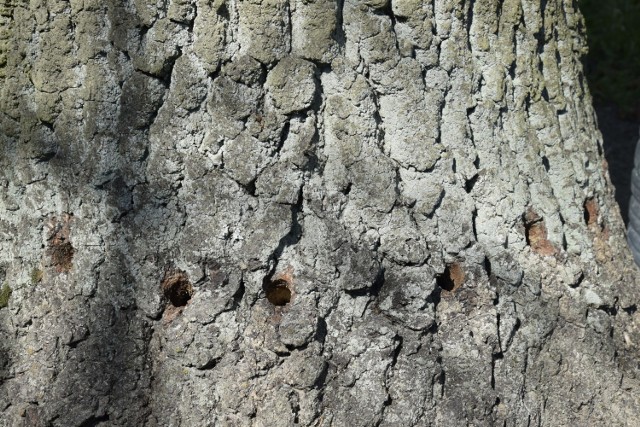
[278, 291]
[177, 288]
[452, 278]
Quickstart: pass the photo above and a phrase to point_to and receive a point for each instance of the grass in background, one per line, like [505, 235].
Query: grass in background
[613, 62]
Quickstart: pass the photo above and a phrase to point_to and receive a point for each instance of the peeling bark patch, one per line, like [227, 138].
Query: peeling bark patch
[278, 292]
[452, 278]
[176, 288]
[60, 249]
[536, 234]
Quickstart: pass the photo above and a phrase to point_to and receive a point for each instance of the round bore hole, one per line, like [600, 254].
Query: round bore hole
[62, 256]
[591, 211]
[177, 289]
[452, 278]
[278, 292]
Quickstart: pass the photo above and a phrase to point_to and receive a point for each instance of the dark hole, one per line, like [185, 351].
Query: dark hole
[468, 186]
[250, 187]
[545, 94]
[93, 421]
[442, 378]
[487, 266]
[435, 298]
[529, 219]
[445, 282]
[527, 228]
[545, 163]
[611, 311]
[62, 256]
[223, 12]
[45, 157]
[278, 292]
[474, 216]
[452, 278]
[347, 190]
[512, 70]
[578, 281]
[177, 289]
[590, 211]
[284, 135]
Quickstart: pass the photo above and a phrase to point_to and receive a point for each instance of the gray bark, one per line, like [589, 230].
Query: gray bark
[633, 233]
[307, 212]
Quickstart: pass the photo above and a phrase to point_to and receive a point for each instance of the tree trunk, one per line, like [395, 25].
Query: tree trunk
[308, 212]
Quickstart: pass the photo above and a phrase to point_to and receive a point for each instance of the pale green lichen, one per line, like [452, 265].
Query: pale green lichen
[36, 275]
[5, 294]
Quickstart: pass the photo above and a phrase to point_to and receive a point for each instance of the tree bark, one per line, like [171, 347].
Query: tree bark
[307, 212]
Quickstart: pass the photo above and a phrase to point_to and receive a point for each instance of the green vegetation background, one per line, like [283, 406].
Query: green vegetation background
[613, 62]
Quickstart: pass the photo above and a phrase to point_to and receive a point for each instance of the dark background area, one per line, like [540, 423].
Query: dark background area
[613, 71]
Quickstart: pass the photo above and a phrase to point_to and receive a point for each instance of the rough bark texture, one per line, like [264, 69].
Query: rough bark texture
[307, 212]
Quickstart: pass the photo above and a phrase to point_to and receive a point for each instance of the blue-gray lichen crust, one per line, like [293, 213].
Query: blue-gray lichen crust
[426, 177]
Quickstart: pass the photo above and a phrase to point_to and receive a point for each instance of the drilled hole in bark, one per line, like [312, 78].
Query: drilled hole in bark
[590, 211]
[536, 234]
[60, 249]
[452, 278]
[278, 292]
[62, 256]
[176, 288]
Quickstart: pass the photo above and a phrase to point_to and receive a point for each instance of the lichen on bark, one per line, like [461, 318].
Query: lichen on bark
[291, 212]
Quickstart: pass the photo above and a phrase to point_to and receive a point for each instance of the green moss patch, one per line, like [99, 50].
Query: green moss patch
[5, 294]
[36, 275]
